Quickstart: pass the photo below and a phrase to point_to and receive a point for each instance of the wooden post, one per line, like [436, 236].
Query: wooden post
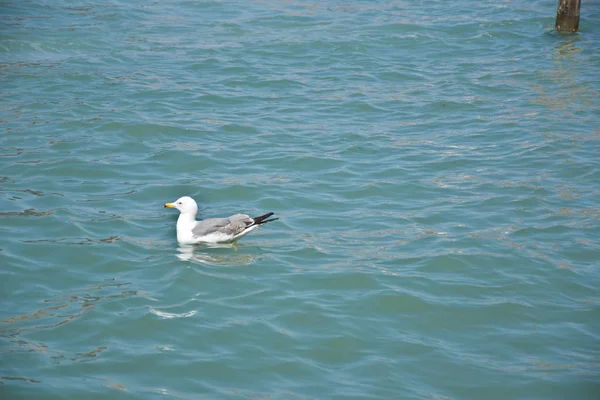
[567, 15]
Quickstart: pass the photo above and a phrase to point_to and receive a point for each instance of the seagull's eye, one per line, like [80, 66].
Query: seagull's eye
[179, 203]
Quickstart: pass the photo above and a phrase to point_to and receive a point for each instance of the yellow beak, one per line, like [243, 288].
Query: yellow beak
[169, 205]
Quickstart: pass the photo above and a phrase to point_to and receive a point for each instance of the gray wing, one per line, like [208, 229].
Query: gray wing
[228, 226]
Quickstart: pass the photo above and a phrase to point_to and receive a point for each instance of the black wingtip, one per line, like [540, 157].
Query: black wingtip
[267, 220]
[263, 219]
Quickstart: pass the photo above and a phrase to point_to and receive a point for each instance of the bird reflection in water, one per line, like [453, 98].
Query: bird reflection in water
[205, 255]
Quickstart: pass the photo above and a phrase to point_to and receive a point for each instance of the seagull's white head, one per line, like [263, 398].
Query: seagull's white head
[185, 205]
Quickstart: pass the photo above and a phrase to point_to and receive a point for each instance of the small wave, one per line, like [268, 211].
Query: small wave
[167, 315]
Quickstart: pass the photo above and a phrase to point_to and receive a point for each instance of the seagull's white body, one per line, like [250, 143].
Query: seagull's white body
[213, 230]
[185, 232]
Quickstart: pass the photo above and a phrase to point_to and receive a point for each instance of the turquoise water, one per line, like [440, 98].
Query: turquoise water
[435, 168]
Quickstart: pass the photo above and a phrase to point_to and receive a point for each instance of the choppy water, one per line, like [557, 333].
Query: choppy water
[435, 168]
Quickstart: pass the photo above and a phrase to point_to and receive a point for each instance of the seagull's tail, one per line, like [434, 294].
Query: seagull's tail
[263, 219]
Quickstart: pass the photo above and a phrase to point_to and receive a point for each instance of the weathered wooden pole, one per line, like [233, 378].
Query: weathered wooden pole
[567, 15]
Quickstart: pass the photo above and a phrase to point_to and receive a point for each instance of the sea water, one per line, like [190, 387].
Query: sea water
[434, 165]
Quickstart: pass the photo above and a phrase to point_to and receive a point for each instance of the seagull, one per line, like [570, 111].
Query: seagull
[212, 230]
